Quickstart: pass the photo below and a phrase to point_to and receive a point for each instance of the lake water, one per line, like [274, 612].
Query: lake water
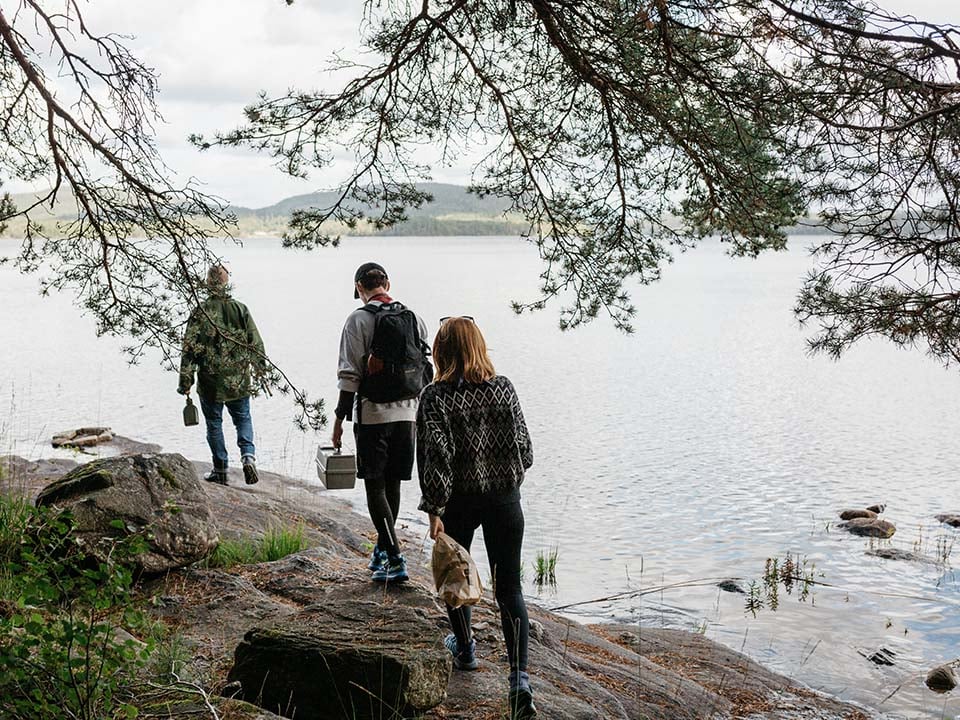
[691, 451]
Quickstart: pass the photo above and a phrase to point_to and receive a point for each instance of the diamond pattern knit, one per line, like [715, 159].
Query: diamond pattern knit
[471, 439]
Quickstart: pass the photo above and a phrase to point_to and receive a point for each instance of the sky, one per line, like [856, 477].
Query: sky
[213, 57]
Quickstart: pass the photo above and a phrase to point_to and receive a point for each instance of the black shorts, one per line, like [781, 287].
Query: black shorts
[385, 450]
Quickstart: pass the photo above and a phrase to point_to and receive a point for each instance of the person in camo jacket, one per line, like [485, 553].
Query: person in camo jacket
[223, 349]
[473, 449]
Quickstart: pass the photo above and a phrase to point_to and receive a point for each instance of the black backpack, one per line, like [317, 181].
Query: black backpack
[405, 357]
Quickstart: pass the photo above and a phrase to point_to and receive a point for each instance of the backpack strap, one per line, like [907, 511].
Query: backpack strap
[375, 309]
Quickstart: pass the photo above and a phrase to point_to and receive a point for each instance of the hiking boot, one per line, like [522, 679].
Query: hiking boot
[462, 659]
[250, 470]
[521, 704]
[216, 476]
[394, 570]
[378, 560]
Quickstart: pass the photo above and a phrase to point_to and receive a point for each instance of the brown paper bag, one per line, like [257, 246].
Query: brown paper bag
[454, 573]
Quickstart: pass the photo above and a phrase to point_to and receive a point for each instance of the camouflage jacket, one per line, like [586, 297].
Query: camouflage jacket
[222, 346]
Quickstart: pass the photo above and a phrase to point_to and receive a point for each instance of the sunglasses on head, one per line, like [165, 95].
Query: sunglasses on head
[461, 317]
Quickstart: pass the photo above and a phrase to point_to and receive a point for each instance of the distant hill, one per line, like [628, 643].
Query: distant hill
[447, 200]
[453, 211]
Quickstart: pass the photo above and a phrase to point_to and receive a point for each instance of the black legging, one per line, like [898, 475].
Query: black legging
[383, 502]
[503, 536]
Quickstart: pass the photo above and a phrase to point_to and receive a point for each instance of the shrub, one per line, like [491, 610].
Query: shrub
[15, 514]
[62, 646]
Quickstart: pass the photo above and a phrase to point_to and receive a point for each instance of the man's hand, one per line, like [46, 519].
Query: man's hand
[374, 365]
[436, 526]
[338, 432]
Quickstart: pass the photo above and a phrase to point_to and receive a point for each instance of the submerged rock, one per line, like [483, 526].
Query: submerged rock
[951, 519]
[889, 553]
[742, 687]
[941, 679]
[731, 586]
[854, 514]
[883, 656]
[158, 496]
[870, 527]
[345, 658]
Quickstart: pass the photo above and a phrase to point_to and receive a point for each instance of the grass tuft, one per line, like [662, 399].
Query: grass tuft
[232, 552]
[277, 542]
[280, 541]
[171, 658]
[545, 567]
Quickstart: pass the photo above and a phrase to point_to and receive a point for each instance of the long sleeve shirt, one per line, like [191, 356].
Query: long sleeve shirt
[471, 439]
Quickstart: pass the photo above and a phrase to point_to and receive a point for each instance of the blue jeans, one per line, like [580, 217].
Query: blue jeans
[240, 414]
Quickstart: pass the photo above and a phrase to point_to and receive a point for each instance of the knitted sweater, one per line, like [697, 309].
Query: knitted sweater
[471, 439]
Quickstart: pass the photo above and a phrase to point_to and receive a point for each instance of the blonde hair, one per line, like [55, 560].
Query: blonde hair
[460, 352]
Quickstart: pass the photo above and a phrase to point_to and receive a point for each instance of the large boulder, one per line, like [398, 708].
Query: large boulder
[345, 659]
[157, 496]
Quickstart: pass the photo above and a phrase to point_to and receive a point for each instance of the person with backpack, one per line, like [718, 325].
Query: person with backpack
[222, 347]
[473, 449]
[383, 365]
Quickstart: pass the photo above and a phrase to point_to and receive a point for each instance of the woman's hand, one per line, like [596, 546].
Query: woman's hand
[436, 526]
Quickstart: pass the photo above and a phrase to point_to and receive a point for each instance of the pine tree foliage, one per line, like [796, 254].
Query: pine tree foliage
[78, 110]
[628, 130]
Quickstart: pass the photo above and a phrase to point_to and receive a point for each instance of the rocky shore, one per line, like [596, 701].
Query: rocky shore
[309, 636]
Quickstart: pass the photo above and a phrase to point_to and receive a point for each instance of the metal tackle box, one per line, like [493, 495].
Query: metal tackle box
[337, 470]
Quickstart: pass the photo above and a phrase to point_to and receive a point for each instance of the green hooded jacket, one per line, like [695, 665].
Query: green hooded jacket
[222, 346]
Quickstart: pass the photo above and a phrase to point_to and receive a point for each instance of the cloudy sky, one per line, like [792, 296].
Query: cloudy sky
[213, 57]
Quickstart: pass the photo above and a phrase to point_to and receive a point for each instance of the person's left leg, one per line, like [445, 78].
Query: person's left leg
[243, 421]
[503, 537]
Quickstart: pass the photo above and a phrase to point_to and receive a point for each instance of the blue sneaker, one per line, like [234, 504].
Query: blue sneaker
[520, 698]
[521, 704]
[393, 570]
[378, 559]
[462, 659]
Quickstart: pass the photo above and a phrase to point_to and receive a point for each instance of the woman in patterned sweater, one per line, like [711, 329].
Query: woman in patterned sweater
[472, 450]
